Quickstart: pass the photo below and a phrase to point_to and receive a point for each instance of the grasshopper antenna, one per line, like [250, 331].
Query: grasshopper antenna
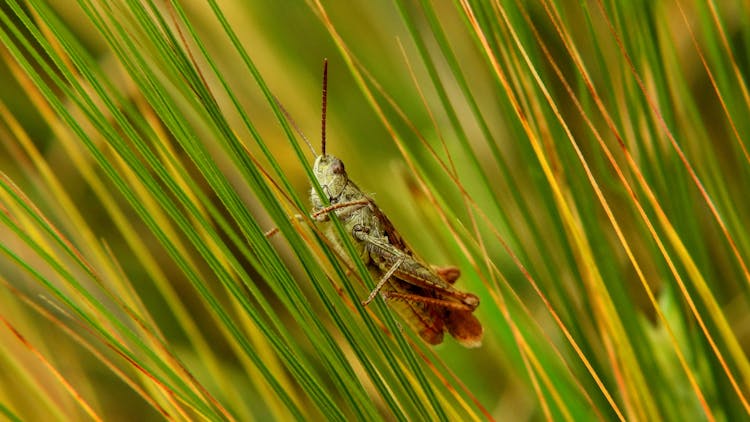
[325, 103]
[294, 125]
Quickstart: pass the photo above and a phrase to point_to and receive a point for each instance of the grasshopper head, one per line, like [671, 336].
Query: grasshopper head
[331, 176]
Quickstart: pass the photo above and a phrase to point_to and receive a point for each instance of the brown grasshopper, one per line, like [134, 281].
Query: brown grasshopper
[422, 295]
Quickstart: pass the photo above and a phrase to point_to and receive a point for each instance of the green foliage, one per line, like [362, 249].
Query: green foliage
[584, 164]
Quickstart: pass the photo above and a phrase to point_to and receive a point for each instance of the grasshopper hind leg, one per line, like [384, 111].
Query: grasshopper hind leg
[424, 318]
[382, 282]
[429, 315]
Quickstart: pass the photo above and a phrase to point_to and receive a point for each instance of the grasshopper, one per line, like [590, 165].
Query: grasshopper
[421, 294]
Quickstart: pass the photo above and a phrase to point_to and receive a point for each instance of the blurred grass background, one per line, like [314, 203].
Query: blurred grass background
[585, 164]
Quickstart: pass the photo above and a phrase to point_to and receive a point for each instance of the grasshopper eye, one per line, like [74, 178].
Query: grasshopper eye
[337, 167]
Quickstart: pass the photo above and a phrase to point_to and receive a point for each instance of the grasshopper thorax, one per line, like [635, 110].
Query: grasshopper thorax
[331, 175]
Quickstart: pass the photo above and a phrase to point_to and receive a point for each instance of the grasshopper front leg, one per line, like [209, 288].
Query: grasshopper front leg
[322, 214]
[275, 230]
[319, 215]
